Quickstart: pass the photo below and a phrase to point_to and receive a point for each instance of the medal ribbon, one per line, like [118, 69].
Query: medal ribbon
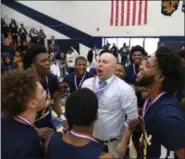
[84, 136]
[81, 81]
[24, 120]
[145, 108]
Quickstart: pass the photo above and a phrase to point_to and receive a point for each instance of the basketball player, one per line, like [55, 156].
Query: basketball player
[162, 75]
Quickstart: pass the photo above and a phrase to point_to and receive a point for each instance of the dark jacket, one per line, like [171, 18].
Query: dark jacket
[6, 67]
[9, 49]
[90, 56]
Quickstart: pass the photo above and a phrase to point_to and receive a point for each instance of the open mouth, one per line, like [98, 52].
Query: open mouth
[82, 70]
[47, 69]
[99, 71]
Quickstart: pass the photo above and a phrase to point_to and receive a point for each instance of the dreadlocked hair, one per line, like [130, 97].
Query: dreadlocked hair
[172, 69]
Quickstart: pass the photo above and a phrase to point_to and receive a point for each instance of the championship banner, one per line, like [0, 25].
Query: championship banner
[168, 7]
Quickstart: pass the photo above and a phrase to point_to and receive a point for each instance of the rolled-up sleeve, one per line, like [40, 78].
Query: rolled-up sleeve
[129, 103]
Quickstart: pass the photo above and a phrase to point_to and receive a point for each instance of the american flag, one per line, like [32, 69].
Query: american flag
[128, 12]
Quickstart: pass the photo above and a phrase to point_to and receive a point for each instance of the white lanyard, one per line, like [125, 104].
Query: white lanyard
[134, 69]
[25, 121]
[47, 85]
[84, 136]
[81, 81]
[144, 110]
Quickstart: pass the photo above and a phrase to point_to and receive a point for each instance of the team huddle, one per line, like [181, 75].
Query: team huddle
[103, 112]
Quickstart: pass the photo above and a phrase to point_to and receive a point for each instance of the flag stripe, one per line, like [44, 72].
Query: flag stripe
[122, 12]
[128, 12]
[134, 13]
[140, 12]
[117, 12]
[146, 11]
[112, 12]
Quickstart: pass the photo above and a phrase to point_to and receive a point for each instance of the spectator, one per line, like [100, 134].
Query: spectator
[22, 33]
[14, 31]
[52, 50]
[120, 71]
[106, 49]
[4, 30]
[22, 48]
[33, 35]
[61, 60]
[52, 40]
[92, 59]
[136, 56]
[71, 57]
[42, 36]
[8, 48]
[54, 66]
[7, 63]
[114, 50]
[124, 53]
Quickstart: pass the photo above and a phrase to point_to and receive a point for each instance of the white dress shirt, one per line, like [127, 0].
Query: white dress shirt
[94, 60]
[117, 100]
[70, 58]
[55, 69]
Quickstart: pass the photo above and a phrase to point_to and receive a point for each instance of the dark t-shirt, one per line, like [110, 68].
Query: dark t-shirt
[57, 148]
[53, 83]
[131, 73]
[19, 140]
[165, 121]
[44, 118]
[70, 80]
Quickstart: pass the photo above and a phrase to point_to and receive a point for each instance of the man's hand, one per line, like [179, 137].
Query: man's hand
[121, 149]
[44, 132]
[63, 87]
[65, 126]
[132, 124]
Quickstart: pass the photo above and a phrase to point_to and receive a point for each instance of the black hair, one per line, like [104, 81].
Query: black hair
[81, 107]
[172, 68]
[122, 65]
[182, 54]
[80, 58]
[137, 48]
[31, 53]
[18, 87]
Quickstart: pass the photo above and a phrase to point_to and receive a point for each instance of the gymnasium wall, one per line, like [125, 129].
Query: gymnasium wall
[89, 19]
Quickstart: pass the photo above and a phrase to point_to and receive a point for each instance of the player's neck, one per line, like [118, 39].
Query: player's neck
[153, 91]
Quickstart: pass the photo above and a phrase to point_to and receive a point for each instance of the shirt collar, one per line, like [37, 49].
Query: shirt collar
[109, 80]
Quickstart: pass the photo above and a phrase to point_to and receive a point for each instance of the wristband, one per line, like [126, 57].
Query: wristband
[126, 125]
[63, 118]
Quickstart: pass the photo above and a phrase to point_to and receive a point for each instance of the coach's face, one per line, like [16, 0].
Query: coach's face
[106, 66]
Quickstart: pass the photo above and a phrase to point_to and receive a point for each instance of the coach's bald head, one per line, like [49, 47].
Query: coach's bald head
[106, 66]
